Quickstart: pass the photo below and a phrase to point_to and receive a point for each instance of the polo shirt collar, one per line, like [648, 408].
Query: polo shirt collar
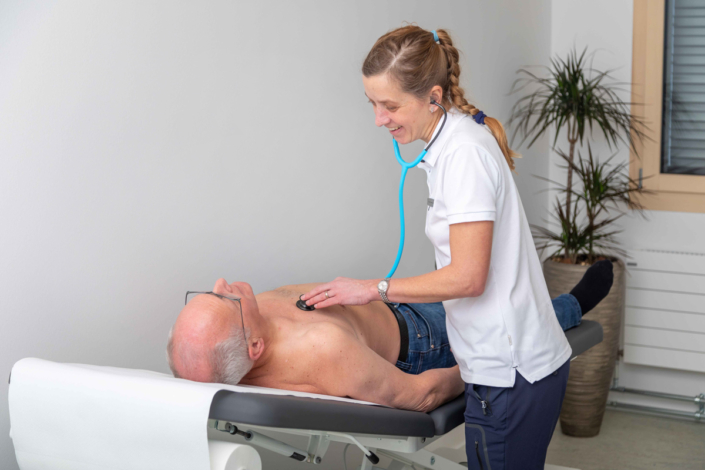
[454, 117]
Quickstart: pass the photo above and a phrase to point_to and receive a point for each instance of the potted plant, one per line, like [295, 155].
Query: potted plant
[604, 195]
[574, 97]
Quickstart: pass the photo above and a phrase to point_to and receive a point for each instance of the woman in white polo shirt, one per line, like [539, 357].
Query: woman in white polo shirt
[501, 325]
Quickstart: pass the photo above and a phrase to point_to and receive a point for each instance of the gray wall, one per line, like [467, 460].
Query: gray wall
[148, 148]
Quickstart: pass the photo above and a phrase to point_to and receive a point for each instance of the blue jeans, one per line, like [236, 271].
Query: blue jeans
[428, 339]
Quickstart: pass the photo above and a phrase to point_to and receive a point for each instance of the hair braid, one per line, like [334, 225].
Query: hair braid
[456, 96]
[411, 56]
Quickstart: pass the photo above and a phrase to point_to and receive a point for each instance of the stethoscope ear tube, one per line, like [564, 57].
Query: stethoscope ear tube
[404, 168]
[405, 165]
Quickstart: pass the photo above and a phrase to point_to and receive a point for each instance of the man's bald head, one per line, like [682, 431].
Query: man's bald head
[206, 344]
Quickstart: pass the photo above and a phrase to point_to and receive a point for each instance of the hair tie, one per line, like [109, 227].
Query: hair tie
[479, 117]
[435, 37]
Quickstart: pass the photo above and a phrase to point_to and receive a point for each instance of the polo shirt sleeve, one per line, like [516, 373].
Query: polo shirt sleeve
[470, 185]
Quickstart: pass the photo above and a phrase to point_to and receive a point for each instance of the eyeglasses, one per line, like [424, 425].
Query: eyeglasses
[235, 300]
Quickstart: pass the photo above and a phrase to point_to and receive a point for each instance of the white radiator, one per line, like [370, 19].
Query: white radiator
[664, 324]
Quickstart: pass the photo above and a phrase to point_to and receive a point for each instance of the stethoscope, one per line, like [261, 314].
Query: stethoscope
[404, 169]
[405, 166]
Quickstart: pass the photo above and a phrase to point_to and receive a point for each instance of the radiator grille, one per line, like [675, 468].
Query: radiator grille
[664, 323]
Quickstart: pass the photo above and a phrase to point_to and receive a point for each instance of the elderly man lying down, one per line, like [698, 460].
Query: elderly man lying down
[396, 355]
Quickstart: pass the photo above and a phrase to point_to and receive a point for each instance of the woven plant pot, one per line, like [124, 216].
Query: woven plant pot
[591, 372]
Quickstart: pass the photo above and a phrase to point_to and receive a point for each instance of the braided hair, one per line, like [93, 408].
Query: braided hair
[413, 58]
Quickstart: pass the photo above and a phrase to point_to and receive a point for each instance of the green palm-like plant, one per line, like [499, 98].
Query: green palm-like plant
[576, 97]
[606, 191]
[573, 236]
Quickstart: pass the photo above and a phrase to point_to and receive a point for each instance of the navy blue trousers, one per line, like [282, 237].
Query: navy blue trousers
[519, 421]
[516, 426]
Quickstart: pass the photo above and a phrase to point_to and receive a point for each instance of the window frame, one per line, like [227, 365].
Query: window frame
[669, 192]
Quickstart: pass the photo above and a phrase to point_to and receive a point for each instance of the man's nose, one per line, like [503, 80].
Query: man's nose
[221, 287]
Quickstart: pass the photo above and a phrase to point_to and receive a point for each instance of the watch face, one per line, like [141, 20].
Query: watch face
[383, 286]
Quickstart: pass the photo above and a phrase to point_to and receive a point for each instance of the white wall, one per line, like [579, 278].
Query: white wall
[606, 26]
[148, 148]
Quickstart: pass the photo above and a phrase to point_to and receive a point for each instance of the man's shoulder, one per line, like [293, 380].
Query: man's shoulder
[304, 360]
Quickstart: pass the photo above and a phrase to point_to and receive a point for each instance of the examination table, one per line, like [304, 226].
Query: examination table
[238, 423]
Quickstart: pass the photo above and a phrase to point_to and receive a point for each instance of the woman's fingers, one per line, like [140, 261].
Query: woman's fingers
[323, 296]
[327, 303]
[335, 296]
[316, 299]
[341, 291]
[319, 289]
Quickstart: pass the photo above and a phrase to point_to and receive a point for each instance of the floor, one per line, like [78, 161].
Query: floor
[627, 441]
[631, 441]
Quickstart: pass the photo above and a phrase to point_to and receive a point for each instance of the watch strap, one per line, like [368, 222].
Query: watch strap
[383, 293]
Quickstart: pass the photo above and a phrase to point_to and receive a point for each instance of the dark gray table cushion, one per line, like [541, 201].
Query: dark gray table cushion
[327, 415]
[584, 336]
[316, 414]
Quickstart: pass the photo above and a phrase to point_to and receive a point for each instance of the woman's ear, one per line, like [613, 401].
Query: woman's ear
[437, 96]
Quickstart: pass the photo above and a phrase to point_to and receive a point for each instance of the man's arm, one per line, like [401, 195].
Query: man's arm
[338, 364]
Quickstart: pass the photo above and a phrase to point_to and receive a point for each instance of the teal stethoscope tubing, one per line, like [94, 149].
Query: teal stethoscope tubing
[404, 169]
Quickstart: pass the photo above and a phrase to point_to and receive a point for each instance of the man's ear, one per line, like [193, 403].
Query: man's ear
[255, 348]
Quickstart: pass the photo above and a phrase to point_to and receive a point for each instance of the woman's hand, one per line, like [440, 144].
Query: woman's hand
[343, 291]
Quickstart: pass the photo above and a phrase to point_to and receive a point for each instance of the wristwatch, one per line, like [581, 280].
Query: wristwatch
[382, 288]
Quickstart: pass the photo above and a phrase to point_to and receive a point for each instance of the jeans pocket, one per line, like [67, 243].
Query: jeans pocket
[421, 327]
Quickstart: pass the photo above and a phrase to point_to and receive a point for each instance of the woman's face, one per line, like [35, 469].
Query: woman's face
[407, 117]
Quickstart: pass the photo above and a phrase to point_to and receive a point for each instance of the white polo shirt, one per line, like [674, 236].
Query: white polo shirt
[512, 325]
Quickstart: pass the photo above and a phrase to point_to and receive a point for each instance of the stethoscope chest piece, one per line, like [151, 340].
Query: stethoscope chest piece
[302, 305]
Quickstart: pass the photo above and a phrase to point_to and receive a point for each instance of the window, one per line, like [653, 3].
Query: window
[668, 75]
[683, 128]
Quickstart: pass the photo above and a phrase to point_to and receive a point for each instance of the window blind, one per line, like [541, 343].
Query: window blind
[683, 132]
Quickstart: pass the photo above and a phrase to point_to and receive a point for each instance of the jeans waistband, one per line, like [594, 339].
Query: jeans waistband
[403, 333]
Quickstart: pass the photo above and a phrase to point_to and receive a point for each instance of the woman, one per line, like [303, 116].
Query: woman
[513, 355]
